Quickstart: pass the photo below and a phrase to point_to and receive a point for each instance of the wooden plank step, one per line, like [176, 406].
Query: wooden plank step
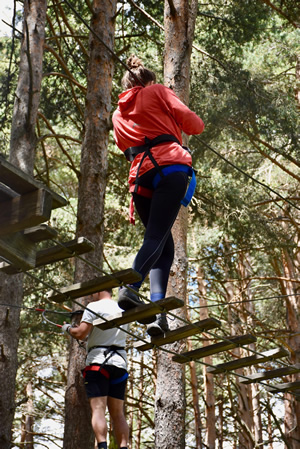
[248, 361]
[281, 388]
[18, 250]
[229, 343]
[55, 254]
[25, 211]
[95, 285]
[179, 334]
[279, 372]
[6, 193]
[40, 233]
[139, 312]
[23, 183]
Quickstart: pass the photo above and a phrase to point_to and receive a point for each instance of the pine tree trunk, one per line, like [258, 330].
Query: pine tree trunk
[209, 395]
[90, 216]
[22, 153]
[170, 403]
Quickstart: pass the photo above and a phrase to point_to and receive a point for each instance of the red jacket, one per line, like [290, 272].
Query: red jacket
[151, 111]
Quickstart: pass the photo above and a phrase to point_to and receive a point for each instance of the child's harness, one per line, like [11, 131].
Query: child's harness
[132, 152]
[109, 352]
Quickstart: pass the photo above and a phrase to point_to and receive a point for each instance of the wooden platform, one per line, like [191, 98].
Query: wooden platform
[55, 254]
[228, 343]
[279, 372]
[139, 312]
[248, 361]
[179, 334]
[95, 285]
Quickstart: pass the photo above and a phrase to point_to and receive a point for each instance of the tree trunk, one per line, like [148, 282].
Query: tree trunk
[209, 395]
[22, 153]
[179, 22]
[90, 216]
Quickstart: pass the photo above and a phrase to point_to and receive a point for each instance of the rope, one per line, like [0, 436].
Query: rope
[245, 173]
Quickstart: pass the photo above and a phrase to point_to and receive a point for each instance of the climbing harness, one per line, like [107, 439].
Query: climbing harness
[109, 352]
[132, 152]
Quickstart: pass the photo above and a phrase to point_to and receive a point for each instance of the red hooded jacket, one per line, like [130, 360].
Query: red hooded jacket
[151, 111]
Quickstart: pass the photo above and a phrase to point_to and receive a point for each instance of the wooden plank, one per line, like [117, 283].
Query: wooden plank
[55, 254]
[229, 343]
[179, 334]
[95, 285]
[25, 211]
[41, 232]
[281, 388]
[22, 183]
[279, 372]
[248, 361]
[18, 250]
[75, 247]
[6, 193]
[139, 312]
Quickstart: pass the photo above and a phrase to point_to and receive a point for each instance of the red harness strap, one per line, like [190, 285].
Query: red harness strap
[95, 368]
[143, 191]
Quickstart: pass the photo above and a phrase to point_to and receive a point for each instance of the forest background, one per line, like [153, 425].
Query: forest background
[243, 237]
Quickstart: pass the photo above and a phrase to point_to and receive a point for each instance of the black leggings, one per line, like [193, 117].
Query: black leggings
[158, 215]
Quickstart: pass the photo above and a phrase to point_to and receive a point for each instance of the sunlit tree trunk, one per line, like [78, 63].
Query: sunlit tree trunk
[92, 184]
[22, 154]
[27, 421]
[179, 22]
[209, 395]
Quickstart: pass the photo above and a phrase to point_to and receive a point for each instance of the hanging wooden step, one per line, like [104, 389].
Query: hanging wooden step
[139, 312]
[248, 361]
[95, 285]
[25, 211]
[56, 253]
[228, 343]
[179, 334]
[40, 233]
[279, 372]
[6, 193]
[22, 183]
[18, 251]
[281, 388]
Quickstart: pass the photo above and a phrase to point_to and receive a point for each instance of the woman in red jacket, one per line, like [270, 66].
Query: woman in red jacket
[147, 128]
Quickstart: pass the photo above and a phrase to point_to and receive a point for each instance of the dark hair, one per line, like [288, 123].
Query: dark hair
[141, 73]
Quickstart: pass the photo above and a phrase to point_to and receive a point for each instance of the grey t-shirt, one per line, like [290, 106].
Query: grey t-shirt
[97, 337]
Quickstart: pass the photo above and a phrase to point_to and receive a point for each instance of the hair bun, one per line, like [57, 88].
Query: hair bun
[134, 62]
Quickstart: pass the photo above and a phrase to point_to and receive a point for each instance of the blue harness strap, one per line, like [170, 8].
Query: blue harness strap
[119, 379]
[177, 168]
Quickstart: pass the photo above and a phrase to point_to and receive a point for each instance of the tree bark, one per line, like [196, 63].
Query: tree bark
[179, 22]
[22, 154]
[90, 216]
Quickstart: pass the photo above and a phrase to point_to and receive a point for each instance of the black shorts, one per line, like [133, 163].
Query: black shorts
[109, 381]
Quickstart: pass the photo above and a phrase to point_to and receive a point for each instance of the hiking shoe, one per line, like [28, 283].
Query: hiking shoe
[159, 327]
[128, 300]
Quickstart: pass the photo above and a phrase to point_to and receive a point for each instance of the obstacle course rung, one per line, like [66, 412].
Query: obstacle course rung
[227, 343]
[279, 372]
[25, 211]
[6, 193]
[22, 183]
[281, 388]
[139, 312]
[248, 361]
[179, 334]
[41, 232]
[95, 285]
[55, 254]
[18, 250]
